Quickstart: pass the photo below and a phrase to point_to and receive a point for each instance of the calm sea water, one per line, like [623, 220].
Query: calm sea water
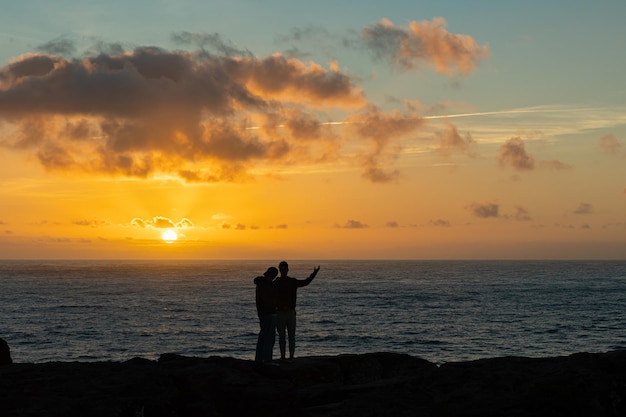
[441, 311]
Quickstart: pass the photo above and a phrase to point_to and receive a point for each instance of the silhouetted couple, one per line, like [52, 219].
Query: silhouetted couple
[276, 307]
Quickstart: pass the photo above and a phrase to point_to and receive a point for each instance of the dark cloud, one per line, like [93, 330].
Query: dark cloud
[212, 41]
[353, 224]
[512, 153]
[440, 223]
[308, 33]
[424, 43]
[229, 226]
[376, 174]
[484, 211]
[134, 114]
[91, 223]
[216, 113]
[521, 214]
[58, 46]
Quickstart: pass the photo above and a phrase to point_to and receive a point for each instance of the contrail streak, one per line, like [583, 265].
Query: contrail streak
[452, 116]
[491, 113]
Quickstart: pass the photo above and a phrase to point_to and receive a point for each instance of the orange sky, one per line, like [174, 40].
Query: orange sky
[287, 155]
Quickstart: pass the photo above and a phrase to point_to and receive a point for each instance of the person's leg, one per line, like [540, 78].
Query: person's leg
[258, 357]
[269, 338]
[281, 324]
[291, 330]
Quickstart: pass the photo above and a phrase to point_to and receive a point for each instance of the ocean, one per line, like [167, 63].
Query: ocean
[441, 311]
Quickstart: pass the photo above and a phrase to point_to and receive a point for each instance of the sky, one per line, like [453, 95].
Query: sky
[271, 129]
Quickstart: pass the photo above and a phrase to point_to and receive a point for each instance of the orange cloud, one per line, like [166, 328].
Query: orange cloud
[450, 139]
[353, 224]
[425, 42]
[282, 78]
[484, 211]
[610, 145]
[160, 222]
[512, 152]
[213, 117]
[190, 114]
[381, 130]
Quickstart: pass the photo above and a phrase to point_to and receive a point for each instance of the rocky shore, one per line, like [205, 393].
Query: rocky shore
[375, 384]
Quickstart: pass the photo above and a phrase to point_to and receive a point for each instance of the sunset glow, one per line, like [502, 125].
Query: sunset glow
[445, 131]
[169, 236]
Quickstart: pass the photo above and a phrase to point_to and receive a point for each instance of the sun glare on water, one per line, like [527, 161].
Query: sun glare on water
[169, 236]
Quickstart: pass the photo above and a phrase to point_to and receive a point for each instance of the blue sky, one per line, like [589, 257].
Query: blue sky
[555, 52]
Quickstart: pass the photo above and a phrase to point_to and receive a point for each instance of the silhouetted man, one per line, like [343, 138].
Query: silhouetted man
[287, 289]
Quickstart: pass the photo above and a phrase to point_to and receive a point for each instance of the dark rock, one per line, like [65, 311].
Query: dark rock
[375, 384]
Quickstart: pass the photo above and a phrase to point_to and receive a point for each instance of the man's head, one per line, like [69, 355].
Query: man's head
[284, 267]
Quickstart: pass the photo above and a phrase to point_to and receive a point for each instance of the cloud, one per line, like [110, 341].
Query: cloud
[319, 36]
[484, 211]
[201, 117]
[521, 214]
[610, 145]
[583, 208]
[151, 110]
[212, 41]
[58, 46]
[512, 153]
[91, 223]
[392, 224]
[229, 226]
[184, 223]
[440, 223]
[160, 222]
[218, 113]
[555, 165]
[381, 130]
[449, 140]
[353, 224]
[424, 43]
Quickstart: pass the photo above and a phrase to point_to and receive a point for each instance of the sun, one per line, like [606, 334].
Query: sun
[169, 236]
